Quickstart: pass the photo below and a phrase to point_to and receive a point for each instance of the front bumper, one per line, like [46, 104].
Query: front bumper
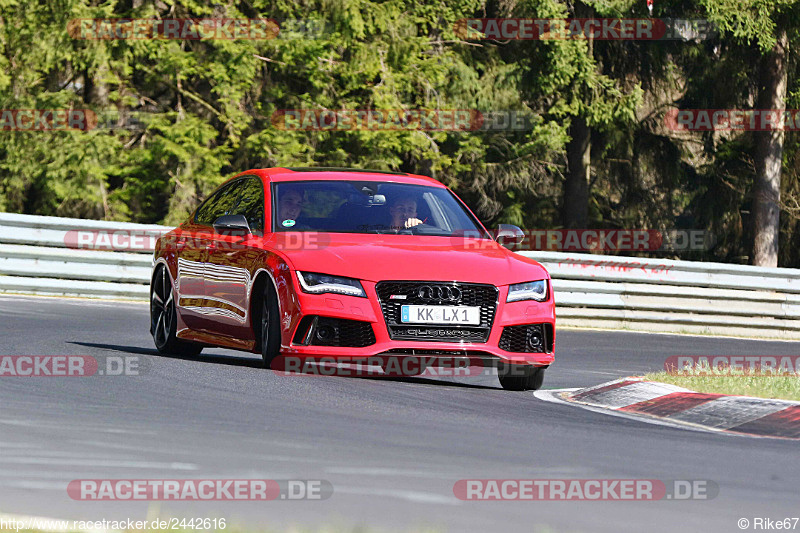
[369, 310]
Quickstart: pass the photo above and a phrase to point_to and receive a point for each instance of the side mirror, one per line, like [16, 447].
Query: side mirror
[232, 225]
[509, 234]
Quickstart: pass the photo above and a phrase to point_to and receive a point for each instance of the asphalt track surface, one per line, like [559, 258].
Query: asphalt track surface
[392, 448]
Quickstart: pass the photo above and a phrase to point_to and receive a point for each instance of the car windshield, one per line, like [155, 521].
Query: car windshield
[370, 207]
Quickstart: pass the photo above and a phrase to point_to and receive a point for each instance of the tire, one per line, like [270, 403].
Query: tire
[270, 332]
[164, 318]
[520, 377]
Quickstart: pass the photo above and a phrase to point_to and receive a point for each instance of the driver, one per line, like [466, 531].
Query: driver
[403, 210]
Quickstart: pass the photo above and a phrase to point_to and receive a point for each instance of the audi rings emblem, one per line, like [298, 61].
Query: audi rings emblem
[436, 293]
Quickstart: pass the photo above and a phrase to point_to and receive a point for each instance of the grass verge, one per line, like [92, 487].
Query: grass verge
[734, 382]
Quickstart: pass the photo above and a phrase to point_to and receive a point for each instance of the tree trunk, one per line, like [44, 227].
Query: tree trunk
[575, 210]
[575, 207]
[769, 155]
[95, 89]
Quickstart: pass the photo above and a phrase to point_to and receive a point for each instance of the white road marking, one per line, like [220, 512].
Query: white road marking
[54, 475]
[34, 485]
[364, 471]
[22, 445]
[46, 424]
[408, 495]
[58, 453]
[94, 462]
[93, 302]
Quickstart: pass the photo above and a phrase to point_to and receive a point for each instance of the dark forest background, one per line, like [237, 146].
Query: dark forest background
[597, 153]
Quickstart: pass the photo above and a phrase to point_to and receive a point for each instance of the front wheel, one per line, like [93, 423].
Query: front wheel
[520, 377]
[164, 318]
[270, 326]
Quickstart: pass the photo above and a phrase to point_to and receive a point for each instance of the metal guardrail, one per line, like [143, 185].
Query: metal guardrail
[45, 255]
[674, 296]
[42, 255]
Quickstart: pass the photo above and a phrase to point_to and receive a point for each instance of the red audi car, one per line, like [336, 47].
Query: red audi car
[350, 264]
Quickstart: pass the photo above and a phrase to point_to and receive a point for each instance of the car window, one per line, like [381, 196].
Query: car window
[369, 207]
[220, 203]
[251, 203]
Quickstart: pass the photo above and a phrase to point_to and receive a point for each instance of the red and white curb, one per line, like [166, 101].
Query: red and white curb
[676, 406]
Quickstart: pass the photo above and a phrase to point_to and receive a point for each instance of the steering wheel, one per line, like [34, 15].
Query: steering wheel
[422, 229]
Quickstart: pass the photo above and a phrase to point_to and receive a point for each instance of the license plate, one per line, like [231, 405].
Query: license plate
[440, 314]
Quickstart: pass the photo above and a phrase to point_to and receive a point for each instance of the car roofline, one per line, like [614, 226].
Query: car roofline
[279, 174]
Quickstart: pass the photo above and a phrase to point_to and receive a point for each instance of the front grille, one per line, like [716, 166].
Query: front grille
[472, 294]
[327, 331]
[531, 338]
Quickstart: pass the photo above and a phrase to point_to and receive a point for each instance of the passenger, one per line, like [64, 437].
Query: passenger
[290, 204]
[403, 210]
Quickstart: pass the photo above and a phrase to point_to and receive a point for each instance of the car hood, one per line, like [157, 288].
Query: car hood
[405, 257]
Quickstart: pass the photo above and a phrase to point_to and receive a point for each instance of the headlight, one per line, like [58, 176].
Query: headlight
[322, 283]
[533, 290]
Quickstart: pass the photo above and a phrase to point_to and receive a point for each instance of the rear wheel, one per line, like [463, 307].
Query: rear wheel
[520, 377]
[164, 318]
[270, 325]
